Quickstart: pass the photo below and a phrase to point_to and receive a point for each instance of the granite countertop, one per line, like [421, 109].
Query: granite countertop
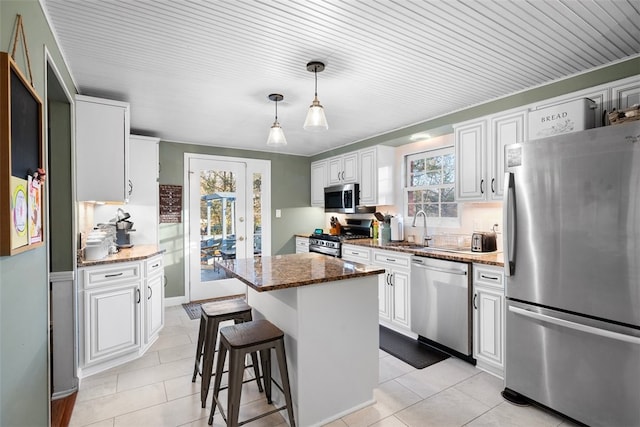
[269, 273]
[488, 258]
[135, 253]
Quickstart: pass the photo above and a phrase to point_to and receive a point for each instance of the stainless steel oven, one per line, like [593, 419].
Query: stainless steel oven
[325, 244]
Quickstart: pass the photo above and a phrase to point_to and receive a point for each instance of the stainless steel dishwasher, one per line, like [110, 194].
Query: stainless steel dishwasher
[440, 302]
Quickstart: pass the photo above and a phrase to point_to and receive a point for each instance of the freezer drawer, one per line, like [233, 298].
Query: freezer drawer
[586, 369]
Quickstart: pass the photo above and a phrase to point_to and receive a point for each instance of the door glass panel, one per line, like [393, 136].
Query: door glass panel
[257, 213]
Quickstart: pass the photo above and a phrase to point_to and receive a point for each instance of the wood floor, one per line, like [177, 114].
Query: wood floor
[61, 410]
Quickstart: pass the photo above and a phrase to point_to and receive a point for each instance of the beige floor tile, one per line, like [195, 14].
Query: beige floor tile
[179, 329]
[390, 397]
[336, 423]
[448, 408]
[390, 368]
[168, 341]
[97, 386]
[507, 414]
[483, 387]
[154, 374]
[105, 423]
[182, 387]
[103, 408]
[172, 413]
[440, 376]
[176, 353]
[389, 422]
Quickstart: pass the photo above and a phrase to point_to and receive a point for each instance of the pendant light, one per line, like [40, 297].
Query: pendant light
[316, 120]
[276, 135]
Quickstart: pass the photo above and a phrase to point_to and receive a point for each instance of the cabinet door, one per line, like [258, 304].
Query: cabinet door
[102, 143]
[143, 189]
[504, 130]
[112, 321]
[384, 296]
[625, 95]
[318, 182]
[335, 170]
[350, 167]
[470, 146]
[400, 288]
[488, 330]
[154, 313]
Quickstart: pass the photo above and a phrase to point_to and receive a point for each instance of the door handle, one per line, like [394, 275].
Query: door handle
[475, 299]
[509, 219]
[493, 188]
[482, 186]
[241, 238]
[138, 292]
[150, 292]
[130, 187]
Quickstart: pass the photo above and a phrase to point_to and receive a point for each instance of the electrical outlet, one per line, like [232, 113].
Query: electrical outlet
[278, 213]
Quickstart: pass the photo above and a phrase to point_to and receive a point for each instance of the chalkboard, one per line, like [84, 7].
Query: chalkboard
[25, 129]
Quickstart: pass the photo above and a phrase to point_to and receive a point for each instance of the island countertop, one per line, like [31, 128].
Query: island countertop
[269, 273]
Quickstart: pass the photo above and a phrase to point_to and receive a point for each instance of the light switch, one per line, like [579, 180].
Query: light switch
[278, 213]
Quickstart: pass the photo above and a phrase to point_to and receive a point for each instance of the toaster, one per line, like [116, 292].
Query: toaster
[483, 242]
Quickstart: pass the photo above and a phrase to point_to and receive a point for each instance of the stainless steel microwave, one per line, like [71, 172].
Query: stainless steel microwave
[341, 198]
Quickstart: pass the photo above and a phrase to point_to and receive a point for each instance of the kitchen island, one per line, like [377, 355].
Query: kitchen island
[328, 310]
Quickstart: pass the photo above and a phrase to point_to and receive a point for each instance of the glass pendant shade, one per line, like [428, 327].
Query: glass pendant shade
[276, 135]
[316, 120]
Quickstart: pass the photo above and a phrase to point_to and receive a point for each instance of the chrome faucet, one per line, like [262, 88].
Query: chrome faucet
[426, 237]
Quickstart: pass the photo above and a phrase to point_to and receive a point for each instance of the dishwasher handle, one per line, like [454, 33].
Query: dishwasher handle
[440, 269]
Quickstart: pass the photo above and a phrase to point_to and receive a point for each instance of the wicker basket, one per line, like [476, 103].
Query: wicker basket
[622, 116]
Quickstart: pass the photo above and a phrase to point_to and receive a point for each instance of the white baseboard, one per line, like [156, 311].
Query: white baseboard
[170, 302]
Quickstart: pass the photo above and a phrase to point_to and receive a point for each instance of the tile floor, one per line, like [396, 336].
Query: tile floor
[156, 390]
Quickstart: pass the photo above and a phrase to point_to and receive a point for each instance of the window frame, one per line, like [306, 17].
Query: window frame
[445, 222]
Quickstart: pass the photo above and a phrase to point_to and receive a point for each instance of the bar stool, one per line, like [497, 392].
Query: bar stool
[212, 314]
[238, 340]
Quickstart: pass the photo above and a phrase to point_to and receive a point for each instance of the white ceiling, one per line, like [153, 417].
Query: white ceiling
[200, 71]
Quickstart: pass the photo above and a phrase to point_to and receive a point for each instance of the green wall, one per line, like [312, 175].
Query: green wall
[443, 124]
[24, 288]
[290, 192]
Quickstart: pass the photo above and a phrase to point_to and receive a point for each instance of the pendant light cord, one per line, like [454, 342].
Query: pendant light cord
[276, 110]
[315, 73]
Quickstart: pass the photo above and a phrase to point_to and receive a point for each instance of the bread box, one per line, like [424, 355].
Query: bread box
[562, 118]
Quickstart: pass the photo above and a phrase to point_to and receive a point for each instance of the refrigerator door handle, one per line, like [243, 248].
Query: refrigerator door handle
[509, 219]
[576, 326]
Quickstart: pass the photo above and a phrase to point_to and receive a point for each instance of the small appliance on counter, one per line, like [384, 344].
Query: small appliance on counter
[96, 246]
[484, 242]
[397, 229]
[123, 228]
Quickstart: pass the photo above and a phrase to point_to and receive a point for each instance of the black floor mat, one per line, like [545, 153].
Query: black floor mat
[408, 350]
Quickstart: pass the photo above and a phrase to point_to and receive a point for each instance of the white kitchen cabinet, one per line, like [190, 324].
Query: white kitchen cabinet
[504, 129]
[480, 154]
[343, 169]
[393, 289]
[376, 175]
[110, 316]
[625, 94]
[143, 201]
[488, 319]
[153, 299]
[356, 253]
[102, 149]
[319, 180]
[470, 147]
[121, 312]
[302, 245]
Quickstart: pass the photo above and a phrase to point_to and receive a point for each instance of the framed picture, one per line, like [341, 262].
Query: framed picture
[21, 154]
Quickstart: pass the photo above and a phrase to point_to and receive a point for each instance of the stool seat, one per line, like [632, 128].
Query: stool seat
[251, 333]
[255, 336]
[212, 314]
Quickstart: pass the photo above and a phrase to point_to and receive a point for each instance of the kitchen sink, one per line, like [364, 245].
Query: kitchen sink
[421, 248]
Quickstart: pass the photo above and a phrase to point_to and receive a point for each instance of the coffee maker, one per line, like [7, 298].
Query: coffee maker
[123, 229]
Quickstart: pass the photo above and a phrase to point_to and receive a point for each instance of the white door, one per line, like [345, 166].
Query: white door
[228, 211]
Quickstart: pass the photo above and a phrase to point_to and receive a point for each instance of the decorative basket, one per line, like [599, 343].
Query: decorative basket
[622, 116]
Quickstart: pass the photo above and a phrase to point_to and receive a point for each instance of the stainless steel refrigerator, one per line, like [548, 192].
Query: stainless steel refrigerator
[572, 257]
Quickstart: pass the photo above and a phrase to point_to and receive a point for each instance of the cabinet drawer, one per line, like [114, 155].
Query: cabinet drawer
[112, 273]
[488, 276]
[153, 265]
[392, 259]
[356, 253]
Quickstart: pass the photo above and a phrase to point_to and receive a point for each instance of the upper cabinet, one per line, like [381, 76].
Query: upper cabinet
[371, 167]
[376, 175]
[479, 147]
[343, 169]
[143, 178]
[102, 150]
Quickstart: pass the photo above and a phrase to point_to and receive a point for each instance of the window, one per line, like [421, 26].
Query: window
[431, 184]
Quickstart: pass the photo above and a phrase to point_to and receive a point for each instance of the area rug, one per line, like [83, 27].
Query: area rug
[413, 352]
[193, 308]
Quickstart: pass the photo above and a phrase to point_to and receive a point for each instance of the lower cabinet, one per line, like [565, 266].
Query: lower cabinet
[488, 319]
[302, 245]
[394, 289]
[121, 312]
